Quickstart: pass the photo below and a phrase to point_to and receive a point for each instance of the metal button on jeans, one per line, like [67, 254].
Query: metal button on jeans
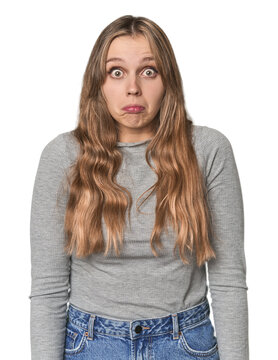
[138, 329]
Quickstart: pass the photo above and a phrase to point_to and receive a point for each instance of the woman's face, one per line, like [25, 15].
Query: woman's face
[131, 79]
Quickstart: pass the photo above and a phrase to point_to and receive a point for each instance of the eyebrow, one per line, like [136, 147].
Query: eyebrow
[147, 58]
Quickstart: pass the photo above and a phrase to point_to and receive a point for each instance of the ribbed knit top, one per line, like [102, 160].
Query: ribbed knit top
[137, 284]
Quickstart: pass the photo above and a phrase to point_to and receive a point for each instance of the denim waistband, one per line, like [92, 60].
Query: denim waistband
[139, 327]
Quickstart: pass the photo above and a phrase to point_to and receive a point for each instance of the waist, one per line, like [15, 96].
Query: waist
[139, 327]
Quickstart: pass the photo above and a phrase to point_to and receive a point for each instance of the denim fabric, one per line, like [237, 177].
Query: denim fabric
[187, 335]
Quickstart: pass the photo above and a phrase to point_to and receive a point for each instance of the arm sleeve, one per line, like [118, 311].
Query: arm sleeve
[50, 266]
[227, 272]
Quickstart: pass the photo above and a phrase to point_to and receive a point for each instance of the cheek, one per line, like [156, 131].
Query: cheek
[154, 91]
[111, 92]
[156, 95]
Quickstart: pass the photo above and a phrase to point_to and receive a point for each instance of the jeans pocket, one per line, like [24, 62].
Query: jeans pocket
[198, 339]
[75, 338]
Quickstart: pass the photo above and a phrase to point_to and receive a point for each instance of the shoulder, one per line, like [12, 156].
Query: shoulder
[209, 138]
[212, 147]
[63, 148]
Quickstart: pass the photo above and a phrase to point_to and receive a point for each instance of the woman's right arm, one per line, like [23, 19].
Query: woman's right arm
[50, 266]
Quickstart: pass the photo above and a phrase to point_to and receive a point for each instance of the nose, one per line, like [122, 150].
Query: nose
[133, 87]
[133, 92]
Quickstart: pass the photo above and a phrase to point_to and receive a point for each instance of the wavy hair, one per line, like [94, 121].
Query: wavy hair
[181, 195]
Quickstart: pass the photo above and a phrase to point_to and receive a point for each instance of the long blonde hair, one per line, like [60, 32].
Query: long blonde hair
[181, 196]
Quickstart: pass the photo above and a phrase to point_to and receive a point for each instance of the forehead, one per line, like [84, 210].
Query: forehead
[128, 48]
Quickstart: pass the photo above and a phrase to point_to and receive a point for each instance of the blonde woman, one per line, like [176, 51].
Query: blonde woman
[130, 210]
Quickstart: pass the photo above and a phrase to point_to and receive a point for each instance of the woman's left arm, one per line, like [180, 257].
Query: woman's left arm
[227, 273]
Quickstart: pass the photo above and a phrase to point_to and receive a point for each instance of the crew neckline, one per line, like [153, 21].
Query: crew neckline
[130, 144]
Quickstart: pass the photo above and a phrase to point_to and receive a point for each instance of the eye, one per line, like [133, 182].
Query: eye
[112, 69]
[117, 70]
[153, 70]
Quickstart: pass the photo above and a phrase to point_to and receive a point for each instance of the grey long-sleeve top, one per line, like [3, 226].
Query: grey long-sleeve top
[137, 284]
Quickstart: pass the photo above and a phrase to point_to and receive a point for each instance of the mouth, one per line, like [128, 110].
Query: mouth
[133, 109]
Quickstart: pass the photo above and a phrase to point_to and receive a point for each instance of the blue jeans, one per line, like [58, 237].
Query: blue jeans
[187, 334]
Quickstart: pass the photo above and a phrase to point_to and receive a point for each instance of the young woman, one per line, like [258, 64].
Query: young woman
[137, 271]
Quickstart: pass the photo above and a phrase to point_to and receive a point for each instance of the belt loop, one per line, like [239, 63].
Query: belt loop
[175, 326]
[91, 327]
